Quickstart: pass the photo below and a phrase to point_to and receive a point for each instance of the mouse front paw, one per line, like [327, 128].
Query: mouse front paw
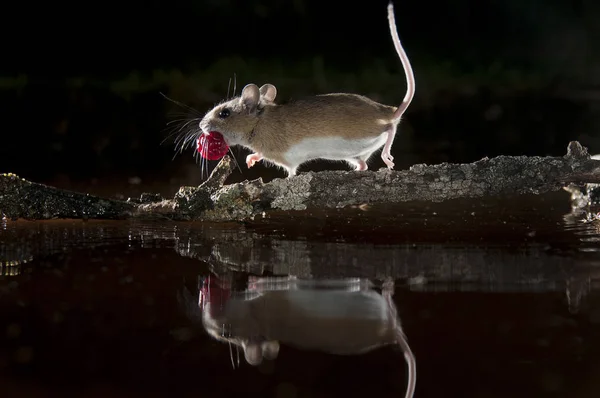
[252, 159]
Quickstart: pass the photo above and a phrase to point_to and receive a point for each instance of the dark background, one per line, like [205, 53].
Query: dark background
[80, 83]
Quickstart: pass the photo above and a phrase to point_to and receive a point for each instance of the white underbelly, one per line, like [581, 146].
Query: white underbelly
[333, 148]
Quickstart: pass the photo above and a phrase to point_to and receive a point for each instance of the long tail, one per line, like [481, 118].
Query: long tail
[410, 77]
[411, 363]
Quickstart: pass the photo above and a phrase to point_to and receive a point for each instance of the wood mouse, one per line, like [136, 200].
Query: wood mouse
[336, 126]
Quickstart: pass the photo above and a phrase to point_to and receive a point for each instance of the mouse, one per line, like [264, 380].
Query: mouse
[337, 126]
[339, 316]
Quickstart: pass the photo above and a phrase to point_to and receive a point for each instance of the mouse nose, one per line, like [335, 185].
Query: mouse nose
[203, 126]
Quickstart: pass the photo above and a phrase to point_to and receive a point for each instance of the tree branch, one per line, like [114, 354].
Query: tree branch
[503, 175]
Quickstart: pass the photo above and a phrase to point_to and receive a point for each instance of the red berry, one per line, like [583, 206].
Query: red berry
[212, 146]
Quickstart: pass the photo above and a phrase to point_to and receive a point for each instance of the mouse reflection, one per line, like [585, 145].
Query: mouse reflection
[338, 316]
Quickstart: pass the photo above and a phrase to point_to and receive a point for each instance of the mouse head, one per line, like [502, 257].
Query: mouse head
[236, 118]
[241, 333]
[227, 317]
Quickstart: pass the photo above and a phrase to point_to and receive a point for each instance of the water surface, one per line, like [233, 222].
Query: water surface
[496, 299]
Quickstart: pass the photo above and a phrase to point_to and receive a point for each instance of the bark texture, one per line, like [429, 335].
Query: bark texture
[502, 175]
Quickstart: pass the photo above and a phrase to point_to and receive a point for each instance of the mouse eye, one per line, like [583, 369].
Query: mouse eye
[224, 113]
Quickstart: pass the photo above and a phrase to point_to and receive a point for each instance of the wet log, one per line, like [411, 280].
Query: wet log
[20, 198]
[214, 201]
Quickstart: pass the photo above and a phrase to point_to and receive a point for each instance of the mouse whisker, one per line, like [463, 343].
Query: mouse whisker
[181, 128]
[234, 83]
[183, 123]
[190, 140]
[228, 87]
[186, 133]
[185, 119]
[198, 160]
[203, 168]
[235, 160]
[181, 143]
[183, 114]
[231, 355]
[181, 104]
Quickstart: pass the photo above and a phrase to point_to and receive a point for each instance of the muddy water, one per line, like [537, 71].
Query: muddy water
[496, 299]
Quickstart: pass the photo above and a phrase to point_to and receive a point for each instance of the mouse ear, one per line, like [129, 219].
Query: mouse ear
[253, 353]
[270, 349]
[269, 92]
[250, 97]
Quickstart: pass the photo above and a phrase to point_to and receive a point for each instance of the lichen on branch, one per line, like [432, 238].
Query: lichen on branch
[214, 201]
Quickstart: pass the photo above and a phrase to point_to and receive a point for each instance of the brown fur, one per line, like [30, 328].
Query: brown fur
[254, 121]
[348, 116]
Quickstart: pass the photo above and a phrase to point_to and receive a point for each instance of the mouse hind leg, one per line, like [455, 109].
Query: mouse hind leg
[291, 171]
[386, 139]
[386, 154]
[359, 163]
[289, 165]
